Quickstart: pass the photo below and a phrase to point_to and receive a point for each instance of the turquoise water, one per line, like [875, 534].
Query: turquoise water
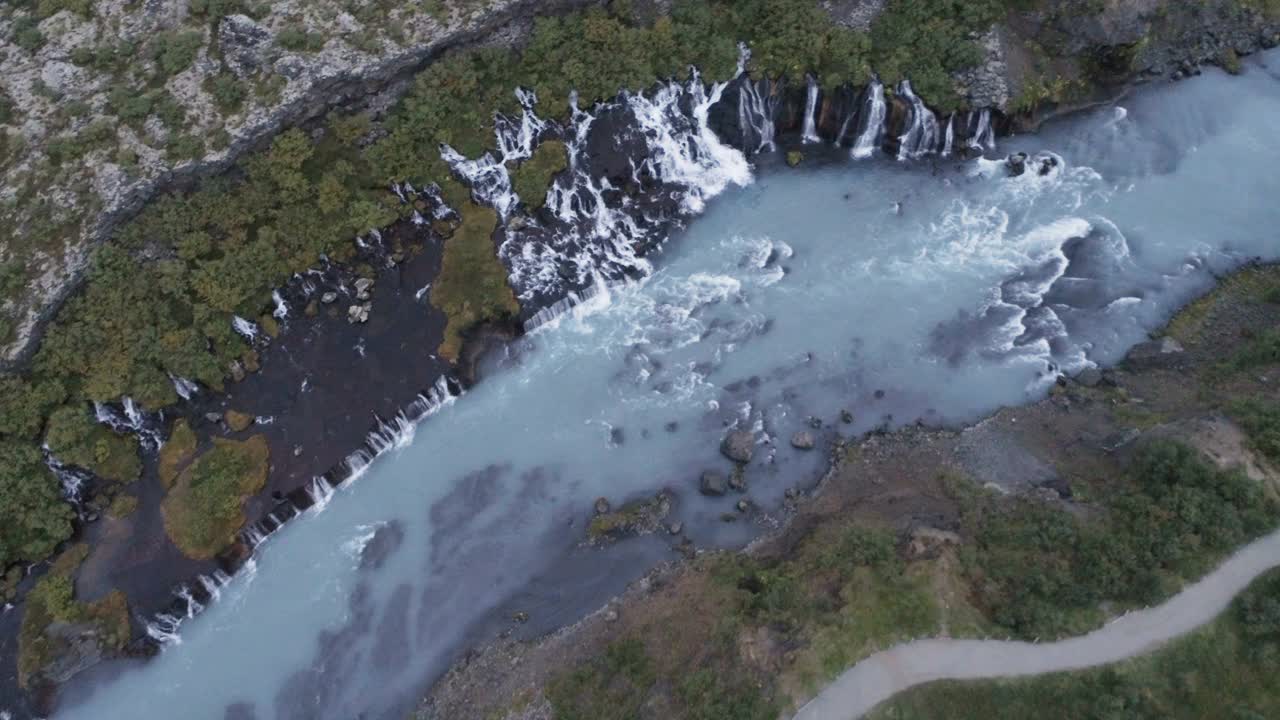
[896, 291]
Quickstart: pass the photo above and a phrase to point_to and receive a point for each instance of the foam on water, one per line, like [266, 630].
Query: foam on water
[799, 296]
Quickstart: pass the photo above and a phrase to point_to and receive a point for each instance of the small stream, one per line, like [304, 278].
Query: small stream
[931, 290]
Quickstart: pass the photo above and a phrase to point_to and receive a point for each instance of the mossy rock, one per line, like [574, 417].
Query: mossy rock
[794, 158]
[176, 453]
[57, 629]
[237, 421]
[203, 510]
[122, 506]
[532, 177]
[472, 287]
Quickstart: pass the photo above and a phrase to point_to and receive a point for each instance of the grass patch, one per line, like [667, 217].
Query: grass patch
[472, 288]
[54, 619]
[1225, 670]
[532, 178]
[176, 452]
[203, 509]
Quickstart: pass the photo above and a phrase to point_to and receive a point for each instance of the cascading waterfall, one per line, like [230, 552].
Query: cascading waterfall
[591, 228]
[950, 135]
[74, 482]
[245, 328]
[487, 176]
[873, 121]
[282, 308]
[983, 135]
[130, 420]
[921, 135]
[756, 111]
[185, 388]
[809, 133]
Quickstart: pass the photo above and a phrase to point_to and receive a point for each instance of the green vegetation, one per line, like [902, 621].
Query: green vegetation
[841, 595]
[53, 618]
[296, 39]
[203, 509]
[532, 178]
[472, 287]
[76, 438]
[1226, 670]
[1261, 421]
[174, 52]
[33, 518]
[1039, 571]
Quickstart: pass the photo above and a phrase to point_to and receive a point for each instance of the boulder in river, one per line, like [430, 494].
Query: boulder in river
[602, 506]
[738, 446]
[803, 440]
[712, 484]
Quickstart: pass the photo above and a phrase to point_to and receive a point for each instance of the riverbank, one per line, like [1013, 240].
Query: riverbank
[1062, 457]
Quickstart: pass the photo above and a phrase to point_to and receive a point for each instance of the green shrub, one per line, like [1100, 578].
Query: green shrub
[300, 40]
[1261, 421]
[174, 51]
[47, 8]
[26, 33]
[227, 90]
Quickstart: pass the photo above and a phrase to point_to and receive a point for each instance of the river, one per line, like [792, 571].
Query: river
[932, 290]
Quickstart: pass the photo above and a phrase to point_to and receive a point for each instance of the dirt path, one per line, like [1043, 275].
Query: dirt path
[877, 678]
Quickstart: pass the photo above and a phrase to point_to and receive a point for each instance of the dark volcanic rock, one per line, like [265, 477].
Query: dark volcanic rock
[738, 446]
[712, 484]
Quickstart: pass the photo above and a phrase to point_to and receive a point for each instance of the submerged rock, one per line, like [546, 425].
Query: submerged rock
[602, 506]
[712, 484]
[738, 446]
[638, 517]
[803, 440]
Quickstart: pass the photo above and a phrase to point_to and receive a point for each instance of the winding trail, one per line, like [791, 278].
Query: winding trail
[879, 677]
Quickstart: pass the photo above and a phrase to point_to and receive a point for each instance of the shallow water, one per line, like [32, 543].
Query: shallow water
[897, 291]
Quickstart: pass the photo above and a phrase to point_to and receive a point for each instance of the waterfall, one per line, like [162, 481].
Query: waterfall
[246, 329]
[921, 135]
[282, 308]
[73, 481]
[755, 111]
[635, 165]
[983, 137]
[185, 388]
[873, 120]
[516, 140]
[131, 421]
[951, 135]
[809, 134]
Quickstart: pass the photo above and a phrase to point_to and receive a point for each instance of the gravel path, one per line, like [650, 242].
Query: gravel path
[877, 678]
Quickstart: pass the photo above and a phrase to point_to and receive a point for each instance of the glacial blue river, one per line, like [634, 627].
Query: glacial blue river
[934, 290]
